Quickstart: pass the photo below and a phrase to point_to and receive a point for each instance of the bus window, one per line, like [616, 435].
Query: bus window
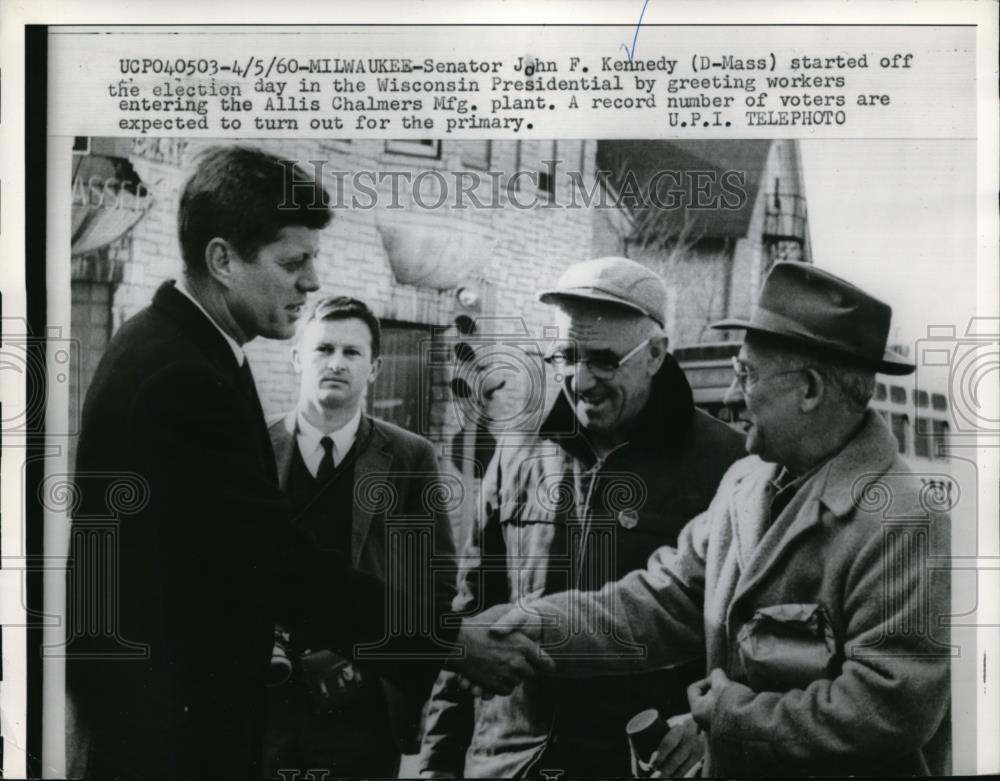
[920, 398]
[880, 391]
[939, 402]
[897, 394]
[901, 430]
[940, 439]
[922, 438]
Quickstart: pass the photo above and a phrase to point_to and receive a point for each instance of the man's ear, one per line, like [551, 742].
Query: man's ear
[219, 255]
[657, 352]
[296, 356]
[814, 390]
[376, 368]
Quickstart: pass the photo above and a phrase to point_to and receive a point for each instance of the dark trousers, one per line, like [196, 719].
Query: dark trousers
[354, 741]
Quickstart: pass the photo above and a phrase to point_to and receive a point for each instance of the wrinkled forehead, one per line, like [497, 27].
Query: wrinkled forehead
[598, 326]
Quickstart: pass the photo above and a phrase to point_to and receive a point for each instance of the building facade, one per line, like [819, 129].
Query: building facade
[734, 209]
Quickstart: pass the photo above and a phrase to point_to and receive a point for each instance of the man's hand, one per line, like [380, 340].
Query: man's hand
[497, 663]
[679, 753]
[703, 694]
[517, 619]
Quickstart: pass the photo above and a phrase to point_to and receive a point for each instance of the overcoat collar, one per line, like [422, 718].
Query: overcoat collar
[205, 334]
[837, 486]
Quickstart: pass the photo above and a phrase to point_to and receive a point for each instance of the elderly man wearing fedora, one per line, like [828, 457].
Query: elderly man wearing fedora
[620, 464]
[808, 581]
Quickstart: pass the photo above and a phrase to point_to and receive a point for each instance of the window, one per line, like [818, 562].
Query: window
[402, 389]
[422, 148]
[880, 392]
[897, 394]
[538, 161]
[939, 402]
[475, 154]
[920, 398]
[901, 430]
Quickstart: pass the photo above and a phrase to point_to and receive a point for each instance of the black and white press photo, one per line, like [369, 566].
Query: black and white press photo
[490, 394]
[541, 402]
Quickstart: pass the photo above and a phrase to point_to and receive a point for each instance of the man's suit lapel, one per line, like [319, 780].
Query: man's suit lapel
[250, 386]
[284, 448]
[372, 464]
[371, 471]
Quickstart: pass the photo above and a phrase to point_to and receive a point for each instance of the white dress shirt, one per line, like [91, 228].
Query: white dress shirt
[308, 438]
[233, 344]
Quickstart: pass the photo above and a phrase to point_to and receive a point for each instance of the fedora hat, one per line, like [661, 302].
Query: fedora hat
[813, 307]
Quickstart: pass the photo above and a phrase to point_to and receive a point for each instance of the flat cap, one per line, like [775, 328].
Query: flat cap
[612, 280]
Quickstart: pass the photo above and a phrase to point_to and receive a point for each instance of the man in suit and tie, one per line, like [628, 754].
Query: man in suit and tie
[171, 615]
[346, 474]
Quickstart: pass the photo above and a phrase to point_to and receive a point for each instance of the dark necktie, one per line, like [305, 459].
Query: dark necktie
[325, 471]
[249, 387]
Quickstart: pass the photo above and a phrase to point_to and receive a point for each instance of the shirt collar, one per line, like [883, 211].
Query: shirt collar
[785, 478]
[233, 344]
[309, 437]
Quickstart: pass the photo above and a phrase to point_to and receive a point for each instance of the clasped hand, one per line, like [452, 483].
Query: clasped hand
[501, 649]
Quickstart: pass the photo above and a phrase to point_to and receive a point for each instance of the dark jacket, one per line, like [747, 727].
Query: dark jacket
[395, 477]
[557, 517]
[182, 558]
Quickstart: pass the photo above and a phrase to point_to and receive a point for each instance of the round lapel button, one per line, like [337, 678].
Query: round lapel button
[629, 519]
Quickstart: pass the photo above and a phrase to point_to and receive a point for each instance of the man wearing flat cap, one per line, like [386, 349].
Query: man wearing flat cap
[620, 464]
[807, 582]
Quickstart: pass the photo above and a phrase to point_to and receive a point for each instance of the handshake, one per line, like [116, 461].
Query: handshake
[499, 648]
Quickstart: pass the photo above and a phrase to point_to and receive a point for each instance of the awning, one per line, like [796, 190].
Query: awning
[109, 198]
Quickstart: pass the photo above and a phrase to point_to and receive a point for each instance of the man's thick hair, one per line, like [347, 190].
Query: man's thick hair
[245, 196]
[345, 308]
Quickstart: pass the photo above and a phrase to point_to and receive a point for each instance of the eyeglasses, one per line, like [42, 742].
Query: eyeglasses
[602, 364]
[746, 377]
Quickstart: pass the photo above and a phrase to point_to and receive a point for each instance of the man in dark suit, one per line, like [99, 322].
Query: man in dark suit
[170, 615]
[346, 474]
